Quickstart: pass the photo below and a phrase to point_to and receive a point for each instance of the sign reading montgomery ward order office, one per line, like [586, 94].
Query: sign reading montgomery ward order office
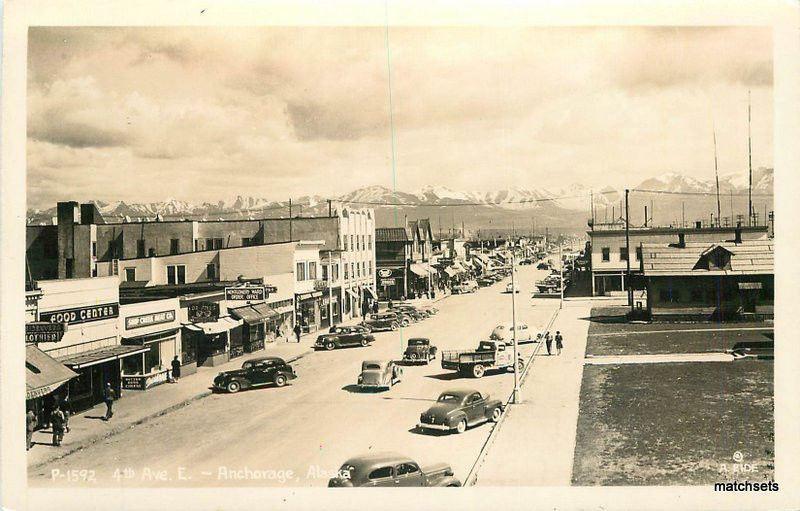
[44, 332]
[154, 318]
[81, 314]
[250, 293]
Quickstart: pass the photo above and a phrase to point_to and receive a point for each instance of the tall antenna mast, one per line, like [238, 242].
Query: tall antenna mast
[716, 174]
[750, 166]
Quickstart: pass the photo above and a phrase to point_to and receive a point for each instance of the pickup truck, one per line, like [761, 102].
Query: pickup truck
[490, 356]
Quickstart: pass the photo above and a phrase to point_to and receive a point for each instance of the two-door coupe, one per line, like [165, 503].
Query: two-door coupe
[390, 469]
[343, 336]
[456, 410]
[255, 372]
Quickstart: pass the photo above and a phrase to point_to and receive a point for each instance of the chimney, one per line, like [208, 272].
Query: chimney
[681, 240]
[738, 234]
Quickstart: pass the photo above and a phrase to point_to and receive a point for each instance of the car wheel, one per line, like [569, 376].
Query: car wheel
[329, 345]
[413, 357]
[280, 380]
[461, 426]
[233, 387]
[393, 327]
[520, 366]
[478, 370]
[496, 413]
[364, 343]
[404, 323]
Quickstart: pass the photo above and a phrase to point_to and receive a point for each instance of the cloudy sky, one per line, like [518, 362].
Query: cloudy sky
[146, 114]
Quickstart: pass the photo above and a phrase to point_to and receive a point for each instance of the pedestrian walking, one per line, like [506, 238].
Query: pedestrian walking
[297, 331]
[559, 342]
[30, 426]
[548, 341]
[176, 369]
[57, 421]
[67, 409]
[108, 397]
[375, 306]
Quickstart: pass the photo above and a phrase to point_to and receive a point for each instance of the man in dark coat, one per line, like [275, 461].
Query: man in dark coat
[176, 368]
[108, 397]
[375, 306]
[57, 421]
[297, 330]
[30, 426]
[559, 342]
[548, 341]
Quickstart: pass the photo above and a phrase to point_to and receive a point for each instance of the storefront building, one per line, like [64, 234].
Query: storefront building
[155, 325]
[210, 336]
[90, 345]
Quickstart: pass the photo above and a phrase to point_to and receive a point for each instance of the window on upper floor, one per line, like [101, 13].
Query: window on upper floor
[606, 254]
[174, 246]
[176, 274]
[623, 253]
[218, 243]
[130, 274]
[312, 270]
[301, 272]
[324, 272]
[344, 243]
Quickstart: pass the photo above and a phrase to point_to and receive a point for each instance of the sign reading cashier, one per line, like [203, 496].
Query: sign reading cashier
[248, 293]
[81, 314]
[155, 318]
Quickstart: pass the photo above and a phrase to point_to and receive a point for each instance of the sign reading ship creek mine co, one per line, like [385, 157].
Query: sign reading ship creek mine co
[81, 314]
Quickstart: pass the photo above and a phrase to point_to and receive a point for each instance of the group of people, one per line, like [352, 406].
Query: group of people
[59, 417]
[548, 342]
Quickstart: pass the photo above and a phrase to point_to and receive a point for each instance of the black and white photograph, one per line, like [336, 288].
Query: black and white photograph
[284, 257]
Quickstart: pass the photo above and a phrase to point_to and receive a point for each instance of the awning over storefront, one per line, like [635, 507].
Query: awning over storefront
[450, 271]
[100, 355]
[308, 296]
[215, 327]
[150, 338]
[370, 292]
[419, 270]
[43, 374]
[254, 314]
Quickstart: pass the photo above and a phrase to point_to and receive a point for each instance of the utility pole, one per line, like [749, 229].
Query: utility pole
[683, 214]
[716, 176]
[628, 249]
[561, 273]
[330, 209]
[290, 219]
[749, 166]
[515, 395]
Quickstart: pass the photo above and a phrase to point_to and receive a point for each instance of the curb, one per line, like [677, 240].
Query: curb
[122, 427]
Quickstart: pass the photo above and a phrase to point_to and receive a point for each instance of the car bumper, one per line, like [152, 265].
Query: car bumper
[438, 427]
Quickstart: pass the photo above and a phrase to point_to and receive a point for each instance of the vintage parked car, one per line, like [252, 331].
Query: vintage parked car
[455, 410]
[525, 262]
[429, 310]
[255, 372]
[543, 266]
[485, 281]
[391, 470]
[409, 311]
[343, 336]
[468, 286]
[504, 333]
[379, 374]
[360, 328]
[419, 350]
[509, 287]
[385, 321]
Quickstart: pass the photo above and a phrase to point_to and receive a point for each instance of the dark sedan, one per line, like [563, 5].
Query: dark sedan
[455, 410]
[255, 372]
[343, 336]
[391, 470]
[385, 321]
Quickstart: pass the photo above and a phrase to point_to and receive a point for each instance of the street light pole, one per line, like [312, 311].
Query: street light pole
[515, 396]
[628, 254]
[561, 273]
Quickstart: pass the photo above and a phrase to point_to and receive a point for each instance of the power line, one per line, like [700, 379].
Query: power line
[665, 192]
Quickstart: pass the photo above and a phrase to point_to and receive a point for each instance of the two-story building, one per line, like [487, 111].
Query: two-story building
[609, 250]
[393, 252]
[309, 286]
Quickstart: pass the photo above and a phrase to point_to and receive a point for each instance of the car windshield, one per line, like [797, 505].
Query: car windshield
[448, 398]
[486, 346]
[372, 366]
[417, 342]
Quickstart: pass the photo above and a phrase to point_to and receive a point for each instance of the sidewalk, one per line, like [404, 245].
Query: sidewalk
[535, 443]
[659, 358]
[136, 407]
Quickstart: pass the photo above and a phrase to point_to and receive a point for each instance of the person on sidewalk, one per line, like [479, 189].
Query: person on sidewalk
[559, 343]
[297, 331]
[176, 369]
[375, 306]
[57, 421]
[548, 341]
[30, 426]
[67, 409]
[108, 397]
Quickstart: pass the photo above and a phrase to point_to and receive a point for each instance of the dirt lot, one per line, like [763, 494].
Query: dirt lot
[674, 423]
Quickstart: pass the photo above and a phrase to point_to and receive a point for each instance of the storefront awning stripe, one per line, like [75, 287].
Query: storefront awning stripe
[100, 355]
[419, 270]
[254, 314]
[43, 373]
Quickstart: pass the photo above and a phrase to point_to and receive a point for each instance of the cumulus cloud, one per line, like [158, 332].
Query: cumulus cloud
[281, 109]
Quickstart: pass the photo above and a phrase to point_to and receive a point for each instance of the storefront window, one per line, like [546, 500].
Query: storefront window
[188, 349]
[152, 358]
[132, 365]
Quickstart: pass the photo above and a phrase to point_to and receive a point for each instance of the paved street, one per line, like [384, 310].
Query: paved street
[313, 425]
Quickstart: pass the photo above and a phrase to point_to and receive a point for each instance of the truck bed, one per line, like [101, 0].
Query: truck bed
[455, 359]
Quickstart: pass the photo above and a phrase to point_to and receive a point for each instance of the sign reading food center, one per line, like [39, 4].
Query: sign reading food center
[81, 314]
[248, 293]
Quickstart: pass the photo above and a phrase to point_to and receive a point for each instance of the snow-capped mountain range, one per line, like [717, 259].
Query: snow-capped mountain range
[558, 207]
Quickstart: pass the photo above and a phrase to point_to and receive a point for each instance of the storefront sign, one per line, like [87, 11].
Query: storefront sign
[271, 289]
[384, 273]
[749, 285]
[388, 282]
[155, 318]
[41, 331]
[249, 293]
[203, 311]
[82, 314]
